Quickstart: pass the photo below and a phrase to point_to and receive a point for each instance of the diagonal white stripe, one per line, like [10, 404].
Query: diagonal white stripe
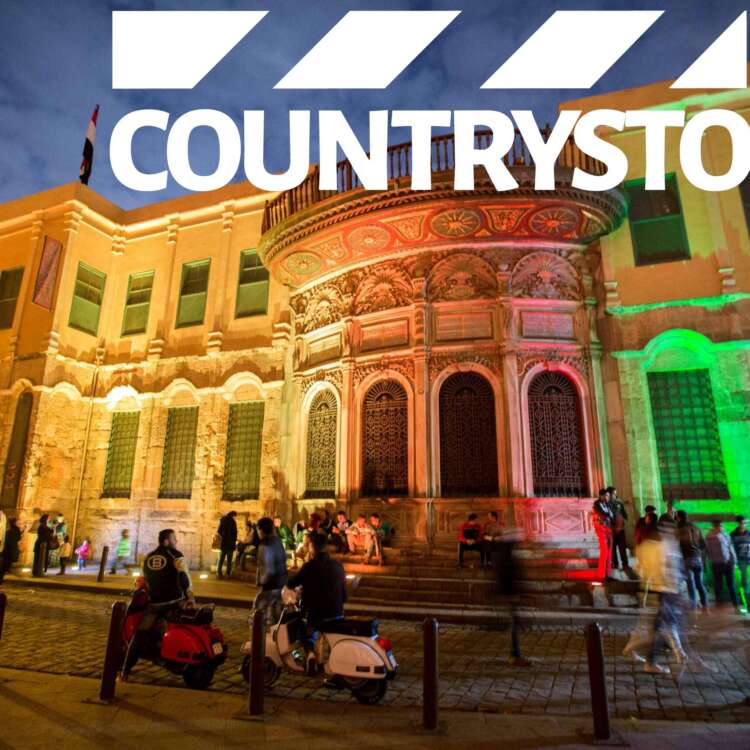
[723, 65]
[173, 49]
[572, 49]
[367, 49]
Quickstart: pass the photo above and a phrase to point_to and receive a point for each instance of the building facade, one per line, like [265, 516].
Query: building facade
[422, 354]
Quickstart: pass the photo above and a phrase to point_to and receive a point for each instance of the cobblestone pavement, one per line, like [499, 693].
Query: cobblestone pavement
[65, 632]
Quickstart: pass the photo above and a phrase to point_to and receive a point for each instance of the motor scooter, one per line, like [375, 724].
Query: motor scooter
[350, 654]
[185, 642]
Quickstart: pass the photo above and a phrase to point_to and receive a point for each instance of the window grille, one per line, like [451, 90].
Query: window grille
[691, 463]
[243, 456]
[10, 286]
[656, 223]
[557, 453]
[252, 287]
[137, 303]
[123, 438]
[87, 299]
[468, 441]
[321, 446]
[178, 466]
[193, 293]
[385, 463]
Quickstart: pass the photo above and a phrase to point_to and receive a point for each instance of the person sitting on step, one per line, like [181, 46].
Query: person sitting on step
[470, 538]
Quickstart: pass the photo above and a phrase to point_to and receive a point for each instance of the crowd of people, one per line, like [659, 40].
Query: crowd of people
[364, 536]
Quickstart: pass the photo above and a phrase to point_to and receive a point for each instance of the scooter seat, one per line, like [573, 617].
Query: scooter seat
[362, 626]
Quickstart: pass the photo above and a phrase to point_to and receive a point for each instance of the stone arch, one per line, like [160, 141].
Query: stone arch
[544, 275]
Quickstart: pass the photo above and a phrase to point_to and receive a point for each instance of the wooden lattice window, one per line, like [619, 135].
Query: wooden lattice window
[10, 287]
[385, 461]
[16, 457]
[252, 288]
[191, 308]
[88, 294]
[691, 463]
[557, 446]
[137, 303]
[244, 443]
[123, 438]
[468, 440]
[178, 466]
[321, 446]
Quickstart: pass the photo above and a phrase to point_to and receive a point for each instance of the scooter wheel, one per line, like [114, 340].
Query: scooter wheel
[369, 692]
[198, 677]
[271, 671]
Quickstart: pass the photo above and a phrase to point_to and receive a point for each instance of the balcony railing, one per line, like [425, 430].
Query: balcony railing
[308, 192]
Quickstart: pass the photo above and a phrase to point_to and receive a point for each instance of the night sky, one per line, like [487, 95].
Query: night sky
[56, 65]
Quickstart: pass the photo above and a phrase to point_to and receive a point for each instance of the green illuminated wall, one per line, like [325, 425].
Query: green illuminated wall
[728, 364]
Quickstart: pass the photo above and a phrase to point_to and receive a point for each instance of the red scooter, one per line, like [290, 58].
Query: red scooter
[185, 642]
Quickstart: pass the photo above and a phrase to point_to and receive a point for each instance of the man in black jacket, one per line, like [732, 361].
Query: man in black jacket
[323, 592]
[228, 533]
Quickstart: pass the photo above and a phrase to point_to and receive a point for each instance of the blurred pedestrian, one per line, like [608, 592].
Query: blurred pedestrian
[741, 542]
[122, 553]
[66, 551]
[284, 533]
[669, 517]
[492, 535]
[603, 520]
[11, 546]
[693, 547]
[271, 574]
[723, 557]
[245, 543]
[83, 552]
[640, 526]
[227, 532]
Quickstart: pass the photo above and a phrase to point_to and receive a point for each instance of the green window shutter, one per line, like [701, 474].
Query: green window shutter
[123, 438]
[691, 463]
[252, 287]
[87, 299]
[657, 226]
[244, 441]
[137, 303]
[178, 466]
[193, 293]
[10, 286]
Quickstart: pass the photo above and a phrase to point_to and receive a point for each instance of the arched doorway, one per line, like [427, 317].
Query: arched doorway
[321, 446]
[385, 440]
[16, 452]
[468, 440]
[557, 447]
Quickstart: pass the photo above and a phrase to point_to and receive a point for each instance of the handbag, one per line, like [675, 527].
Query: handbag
[216, 541]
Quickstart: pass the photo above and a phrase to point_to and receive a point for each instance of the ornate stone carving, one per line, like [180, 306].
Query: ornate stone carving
[333, 376]
[505, 219]
[368, 239]
[462, 276]
[403, 365]
[458, 222]
[321, 307]
[528, 358]
[408, 227]
[556, 221]
[440, 362]
[332, 247]
[303, 264]
[383, 288]
[544, 275]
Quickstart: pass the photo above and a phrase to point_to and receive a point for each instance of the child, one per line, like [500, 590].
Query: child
[123, 552]
[66, 550]
[83, 553]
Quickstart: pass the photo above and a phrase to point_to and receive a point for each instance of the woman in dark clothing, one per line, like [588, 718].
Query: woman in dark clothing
[43, 535]
[11, 547]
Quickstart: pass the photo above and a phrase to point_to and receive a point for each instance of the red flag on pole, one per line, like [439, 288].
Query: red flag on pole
[88, 148]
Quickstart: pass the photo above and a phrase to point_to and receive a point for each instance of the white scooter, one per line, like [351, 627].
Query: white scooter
[349, 652]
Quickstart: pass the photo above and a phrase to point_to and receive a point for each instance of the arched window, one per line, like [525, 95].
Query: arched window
[321, 446]
[385, 462]
[468, 441]
[16, 457]
[557, 448]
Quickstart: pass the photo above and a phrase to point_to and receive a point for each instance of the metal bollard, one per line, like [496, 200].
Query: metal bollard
[40, 559]
[258, 643]
[3, 605]
[103, 564]
[112, 656]
[430, 675]
[599, 703]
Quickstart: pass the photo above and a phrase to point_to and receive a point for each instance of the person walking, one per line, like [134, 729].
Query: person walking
[83, 552]
[11, 546]
[619, 520]
[271, 574]
[66, 550]
[122, 553]
[741, 542]
[693, 547]
[723, 557]
[642, 522]
[228, 533]
[603, 520]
